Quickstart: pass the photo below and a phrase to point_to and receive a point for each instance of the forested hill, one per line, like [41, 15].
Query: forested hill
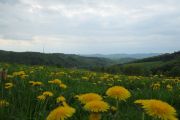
[167, 64]
[163, 57]
[53, 59]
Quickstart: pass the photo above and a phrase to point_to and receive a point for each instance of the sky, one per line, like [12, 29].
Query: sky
[90, 26]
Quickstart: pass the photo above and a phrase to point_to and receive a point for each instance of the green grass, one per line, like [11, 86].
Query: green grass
[23, 104]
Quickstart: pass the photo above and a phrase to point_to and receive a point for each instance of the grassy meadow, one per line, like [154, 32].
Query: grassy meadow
[24, 86]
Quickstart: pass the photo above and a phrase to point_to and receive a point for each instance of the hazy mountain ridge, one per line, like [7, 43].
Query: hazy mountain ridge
[120, 56]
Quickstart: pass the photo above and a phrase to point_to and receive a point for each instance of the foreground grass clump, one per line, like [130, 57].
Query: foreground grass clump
[39, 93]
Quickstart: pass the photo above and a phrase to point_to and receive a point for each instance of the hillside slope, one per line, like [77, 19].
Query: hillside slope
[167, 64]
[54, 59]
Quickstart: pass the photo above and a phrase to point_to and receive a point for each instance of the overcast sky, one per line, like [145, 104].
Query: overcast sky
[90, 26]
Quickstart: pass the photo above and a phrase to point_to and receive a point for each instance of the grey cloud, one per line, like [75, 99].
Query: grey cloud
[12, 2]
[136, 21]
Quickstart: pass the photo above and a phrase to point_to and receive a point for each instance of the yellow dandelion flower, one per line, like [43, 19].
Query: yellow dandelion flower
[158, 109]
[85, 78]
[48, 93]
[95, 116]
[63, 86]
[20, 73]
[84, 98]
[31, 82]
[155, 86]
[118, 92]
[140, 101]
[169, 87]
[113, 108]
[23, 76]
[37, 84]
[34, 83]
[61, 113]
[8, 85]
[76, 96]
[64, 103]
[60, 99]
[56, 81]
[41, 97]
[96, 106]
[51, 82]
[3, 103]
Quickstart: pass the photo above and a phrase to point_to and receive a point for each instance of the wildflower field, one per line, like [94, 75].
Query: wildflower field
[40, 93]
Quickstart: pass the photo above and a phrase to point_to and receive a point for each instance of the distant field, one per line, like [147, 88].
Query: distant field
[27, 84]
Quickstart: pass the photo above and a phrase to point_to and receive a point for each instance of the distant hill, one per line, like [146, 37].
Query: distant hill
[167, 64]
[120, 56]
[53, 59]
[122, 60]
